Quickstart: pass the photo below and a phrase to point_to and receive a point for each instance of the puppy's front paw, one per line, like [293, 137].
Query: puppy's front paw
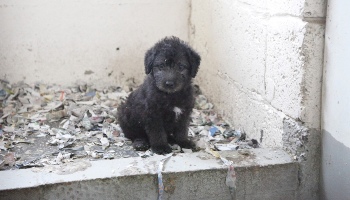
[161, 149]
[187, 144]
[140, 145]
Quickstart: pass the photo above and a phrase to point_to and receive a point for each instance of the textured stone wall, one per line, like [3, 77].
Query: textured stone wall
[262, 68]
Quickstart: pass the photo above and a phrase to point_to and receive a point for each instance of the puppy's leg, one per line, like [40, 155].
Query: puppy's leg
[140, 144]
[181, 134]
[136, 134]
[157, 137]
[183, 140]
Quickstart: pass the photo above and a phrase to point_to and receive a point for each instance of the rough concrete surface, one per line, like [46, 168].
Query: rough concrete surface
[305, 145]
[102, 42]
[268, 54]
[262, 68]
[261, 174]
[311, 85]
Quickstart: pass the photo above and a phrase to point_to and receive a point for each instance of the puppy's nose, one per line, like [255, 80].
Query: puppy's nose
[169, 83]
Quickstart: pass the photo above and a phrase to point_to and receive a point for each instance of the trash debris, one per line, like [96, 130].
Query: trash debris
[44, 125]
[186, 150]
[225, 147]
[145, 154]
[214, 131]
[160, 177]
[253, 143]
[9, 159]
[231, 181]
[231, 174]
[202, 103]
[104, 142]
[28, 164]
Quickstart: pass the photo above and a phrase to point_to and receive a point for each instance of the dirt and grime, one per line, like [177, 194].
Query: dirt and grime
[51, 125]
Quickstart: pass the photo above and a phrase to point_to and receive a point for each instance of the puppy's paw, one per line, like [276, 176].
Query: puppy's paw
[187, 144]
[161, 149]
[140, 144]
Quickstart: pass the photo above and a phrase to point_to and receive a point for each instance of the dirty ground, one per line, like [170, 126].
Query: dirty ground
[45, 125]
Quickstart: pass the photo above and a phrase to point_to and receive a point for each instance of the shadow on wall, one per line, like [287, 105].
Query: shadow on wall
[335, 179]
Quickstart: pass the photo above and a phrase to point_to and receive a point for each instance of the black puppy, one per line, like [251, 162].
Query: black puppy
[159, 111]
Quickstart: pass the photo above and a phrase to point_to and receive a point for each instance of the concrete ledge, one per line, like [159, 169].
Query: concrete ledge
[261, 173]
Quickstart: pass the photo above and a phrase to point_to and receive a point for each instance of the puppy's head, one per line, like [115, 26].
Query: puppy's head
[172, 63]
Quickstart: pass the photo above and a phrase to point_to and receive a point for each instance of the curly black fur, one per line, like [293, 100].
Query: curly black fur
[158, 112]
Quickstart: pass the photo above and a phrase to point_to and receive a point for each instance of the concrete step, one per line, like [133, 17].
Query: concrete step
[260, 174]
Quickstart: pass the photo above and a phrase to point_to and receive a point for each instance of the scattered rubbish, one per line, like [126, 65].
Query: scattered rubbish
[225, 147]
[202, 103]
[233, 135]
[145, 154]
[214, 131]
[186, 150]
[29, 164]
[43, 125]
[231, 174]
[9, 159]
[253, 143]
[244, 152]
[9, 129]
[160, 177]
[104, 142]
[231, 180]
[2, 164]
[176, 148]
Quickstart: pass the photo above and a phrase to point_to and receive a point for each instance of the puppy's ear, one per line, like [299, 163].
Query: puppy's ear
[149, 59]
[195, 61]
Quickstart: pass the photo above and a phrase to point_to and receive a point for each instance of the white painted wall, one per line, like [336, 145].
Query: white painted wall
[262, 61]
[336, 97]
[262, 68]
[58, 41]
[336, 103]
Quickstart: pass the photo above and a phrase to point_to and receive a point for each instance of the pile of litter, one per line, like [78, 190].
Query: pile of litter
[50, 125]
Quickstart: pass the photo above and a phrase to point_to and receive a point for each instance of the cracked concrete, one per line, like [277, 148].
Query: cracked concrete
[261, 174]
[305, 146]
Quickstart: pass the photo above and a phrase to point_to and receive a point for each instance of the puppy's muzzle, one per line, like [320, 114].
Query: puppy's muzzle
[169, 80]
[169, 84]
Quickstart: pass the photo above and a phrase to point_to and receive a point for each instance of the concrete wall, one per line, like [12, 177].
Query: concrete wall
[262, 68]
[261, 60]
[98, 41]
[335, 182]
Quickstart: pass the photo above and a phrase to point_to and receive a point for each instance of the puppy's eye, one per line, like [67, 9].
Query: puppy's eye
[181, 66]
[161, 66]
